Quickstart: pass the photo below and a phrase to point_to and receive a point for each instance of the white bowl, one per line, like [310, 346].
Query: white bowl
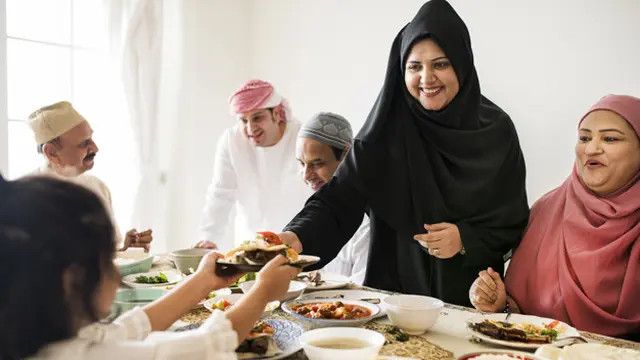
[320, 323]
[127, 299]
[187, 260]
[233, 298]
[414, 314]
[132, 261]
[372, 342]
[296, 288]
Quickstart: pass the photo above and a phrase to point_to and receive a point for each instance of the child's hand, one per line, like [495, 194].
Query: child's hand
[273, 280]
[207, 270]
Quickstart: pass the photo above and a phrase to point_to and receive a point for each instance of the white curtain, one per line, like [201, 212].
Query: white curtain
[135, 29]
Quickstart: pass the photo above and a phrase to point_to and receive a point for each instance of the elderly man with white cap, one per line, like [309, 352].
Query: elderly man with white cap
[64, 138]
[255, 169]
[323, 141]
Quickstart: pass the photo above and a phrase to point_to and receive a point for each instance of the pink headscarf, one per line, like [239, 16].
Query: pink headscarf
[579, 260]
[258, 94]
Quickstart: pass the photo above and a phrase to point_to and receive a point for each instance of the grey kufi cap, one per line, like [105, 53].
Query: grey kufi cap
[328, 128]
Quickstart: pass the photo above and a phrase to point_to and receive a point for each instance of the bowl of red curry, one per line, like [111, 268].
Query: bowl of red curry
[332, 312]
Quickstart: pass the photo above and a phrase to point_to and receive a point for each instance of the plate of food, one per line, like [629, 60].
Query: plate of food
[152, 279]
[268, 339]
[224, 302]
[322, 280]
[587, 351]
[332, 312]
[271, 339]
[372, 297]
[252, 255]
[521, 331]
[498, 355]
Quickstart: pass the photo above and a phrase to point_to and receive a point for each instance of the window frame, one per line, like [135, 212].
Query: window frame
[4, 121]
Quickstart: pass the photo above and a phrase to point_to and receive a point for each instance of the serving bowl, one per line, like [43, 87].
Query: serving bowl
[414, 314]
[127, 299]
[341, 343]
[132, 261]
[187, 260]
[296, 288]
[318, 323]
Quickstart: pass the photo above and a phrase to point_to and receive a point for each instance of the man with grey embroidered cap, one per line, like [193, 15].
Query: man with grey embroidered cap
[323, 141]
[64, 138]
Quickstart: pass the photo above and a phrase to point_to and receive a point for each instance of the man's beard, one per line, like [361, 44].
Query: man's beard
[69, 170]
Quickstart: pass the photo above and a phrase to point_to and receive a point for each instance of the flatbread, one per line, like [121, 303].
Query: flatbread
[258, 252]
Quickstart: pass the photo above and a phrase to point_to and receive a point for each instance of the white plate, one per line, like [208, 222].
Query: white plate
[515, 355]
[373, 308]
[587, 352]
[564, 330]
[331, 281]
[349, 295]
[172, 275]
[233, 298]
[286, 335]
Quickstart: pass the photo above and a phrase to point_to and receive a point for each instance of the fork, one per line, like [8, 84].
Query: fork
[569, 340]
[506, 319]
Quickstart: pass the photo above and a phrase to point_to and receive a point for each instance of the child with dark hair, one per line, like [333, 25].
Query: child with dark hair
[56, 258]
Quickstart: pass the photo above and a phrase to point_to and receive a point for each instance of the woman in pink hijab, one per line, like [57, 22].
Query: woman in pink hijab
[579, 259]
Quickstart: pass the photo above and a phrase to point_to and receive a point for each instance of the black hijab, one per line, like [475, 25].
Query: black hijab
[410, 166]
[461, 163]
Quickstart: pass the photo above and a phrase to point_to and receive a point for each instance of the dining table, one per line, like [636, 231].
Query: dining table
[449, 338]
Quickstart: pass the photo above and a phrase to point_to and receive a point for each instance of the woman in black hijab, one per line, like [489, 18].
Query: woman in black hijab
[433, 154]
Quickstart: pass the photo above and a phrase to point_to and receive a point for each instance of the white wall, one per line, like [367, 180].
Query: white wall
[214, 53]
[543, 62]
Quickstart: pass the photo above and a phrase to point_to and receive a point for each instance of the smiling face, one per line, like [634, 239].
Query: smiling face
[263, 127]
[429, 76]
[317, 160]
[607, 152]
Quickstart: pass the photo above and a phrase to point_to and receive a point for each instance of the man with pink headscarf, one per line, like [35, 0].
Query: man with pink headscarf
[255, 171]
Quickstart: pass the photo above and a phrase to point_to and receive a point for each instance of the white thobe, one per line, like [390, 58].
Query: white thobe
[263, 184]
[351, 261]
[130, 337]
[91, 183]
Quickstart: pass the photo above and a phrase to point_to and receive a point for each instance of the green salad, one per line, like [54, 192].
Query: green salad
[161, 278]
[246, 277]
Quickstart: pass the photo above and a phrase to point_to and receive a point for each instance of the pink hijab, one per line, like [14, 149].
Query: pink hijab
[579, 260]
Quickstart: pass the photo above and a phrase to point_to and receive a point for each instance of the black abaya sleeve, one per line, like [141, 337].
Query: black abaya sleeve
[330, 217]
[485, 245]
